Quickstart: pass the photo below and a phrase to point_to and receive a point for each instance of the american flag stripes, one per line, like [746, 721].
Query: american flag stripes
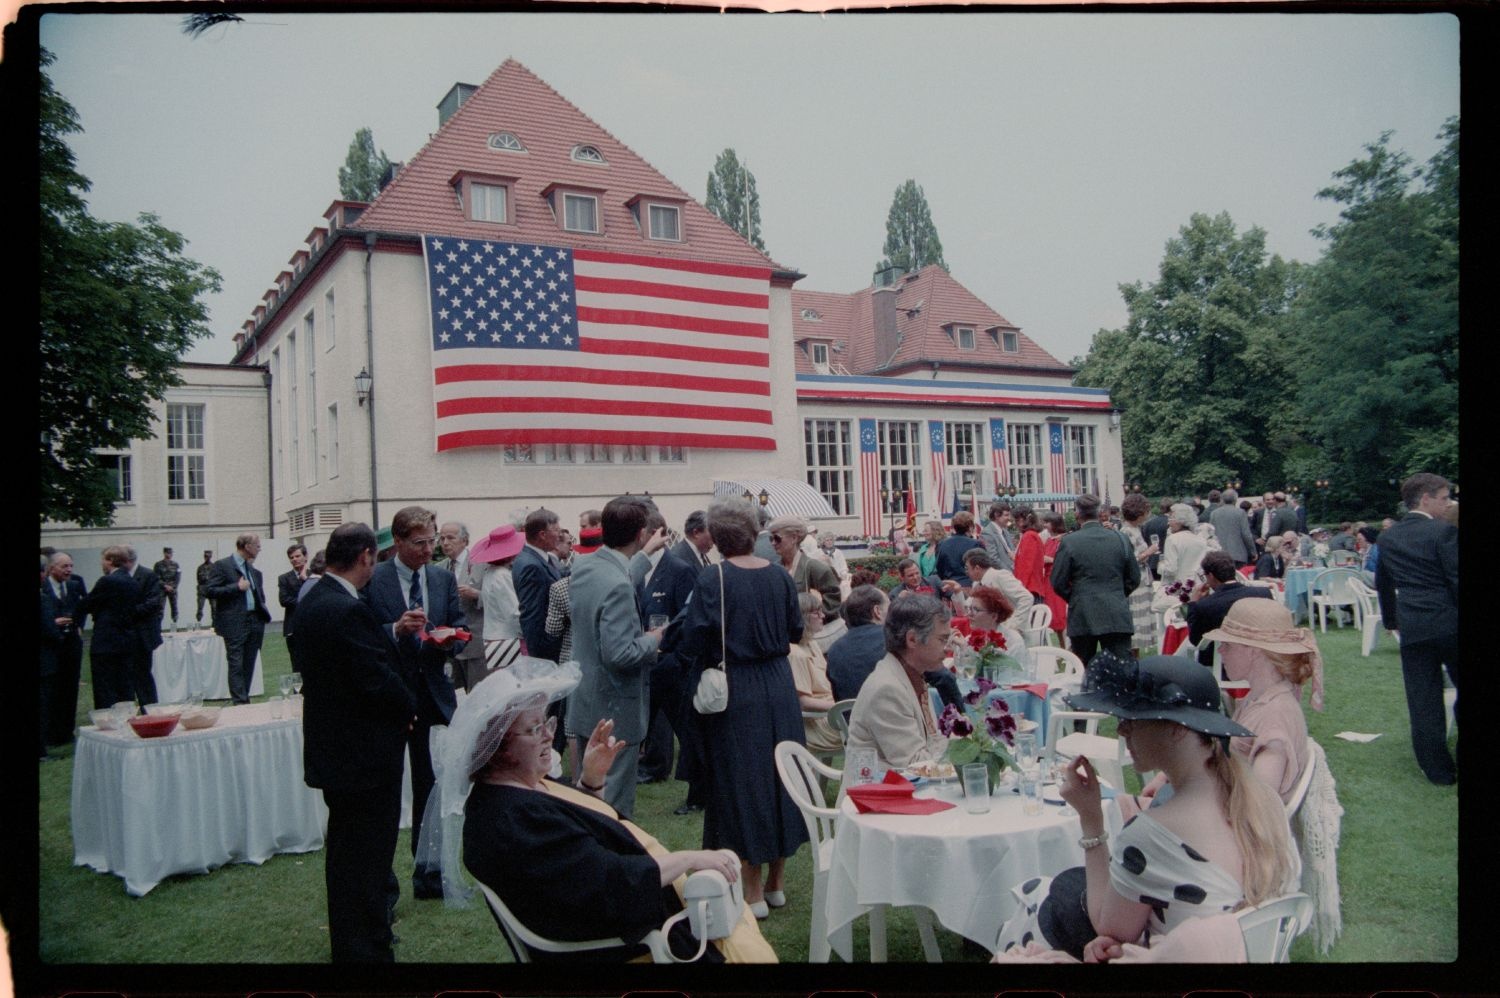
[939, 465]
[998, 452]
[546, 344]
[1055, 459]
[869, 477]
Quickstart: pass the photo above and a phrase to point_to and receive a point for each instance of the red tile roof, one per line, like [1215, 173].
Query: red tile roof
[928, 303]
[421, 198]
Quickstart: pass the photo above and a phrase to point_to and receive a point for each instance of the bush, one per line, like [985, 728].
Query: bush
[885, 564]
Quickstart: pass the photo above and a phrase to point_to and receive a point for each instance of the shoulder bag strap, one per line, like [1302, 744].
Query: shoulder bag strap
[723, 653]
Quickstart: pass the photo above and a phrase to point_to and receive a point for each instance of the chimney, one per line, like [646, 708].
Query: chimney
[883, 312]
[390, 174]
[453, 100]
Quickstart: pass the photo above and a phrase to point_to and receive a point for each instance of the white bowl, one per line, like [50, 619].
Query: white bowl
[200, 717]
[163, 709]
[103, 718]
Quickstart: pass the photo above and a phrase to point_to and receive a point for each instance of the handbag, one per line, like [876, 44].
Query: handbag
[712, 695]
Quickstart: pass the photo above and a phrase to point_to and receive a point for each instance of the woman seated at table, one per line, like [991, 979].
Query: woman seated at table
[560, 859]
[892, 713]
[1221, 842]
[1279, 555]
[810, 676]
[989, 610]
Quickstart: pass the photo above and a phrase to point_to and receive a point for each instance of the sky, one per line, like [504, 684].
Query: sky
[1058, 152]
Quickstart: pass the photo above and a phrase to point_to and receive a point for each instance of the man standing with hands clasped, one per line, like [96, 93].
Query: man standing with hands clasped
[358, 712]
[1095, 571]
[1417, 577]
[240, 613]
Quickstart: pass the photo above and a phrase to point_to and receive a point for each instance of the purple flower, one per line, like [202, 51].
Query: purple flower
[946, 718]
[1001, 726]
[962, 726]
[985, 686]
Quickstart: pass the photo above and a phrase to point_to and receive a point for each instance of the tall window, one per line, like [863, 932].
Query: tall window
[671, 455]
[820, 357]
[635, 454]
[117, 469]
[829, 457]
[559, 453]
[597, 454]
[580, 213]
[1027, 456]
[1082, 457]
[487, 202]
[333, 440]
[186, 472]
[900, 444]
[1010, 342]
[965, 444]
[328, 321]
[293, 448]
[309, 342]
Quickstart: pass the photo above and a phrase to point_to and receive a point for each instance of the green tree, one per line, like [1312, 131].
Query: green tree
[359, 177]
[1203, 367]
[1379, 318]
[911, 240]
[119, 305]
[733, 198]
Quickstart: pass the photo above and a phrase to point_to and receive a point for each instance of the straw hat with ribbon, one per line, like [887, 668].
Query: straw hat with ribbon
[1266, 624]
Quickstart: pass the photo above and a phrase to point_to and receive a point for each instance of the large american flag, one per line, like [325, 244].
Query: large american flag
[545, 344]
[998, 452]
[1055, 458]
[939, 465]
[871, 515]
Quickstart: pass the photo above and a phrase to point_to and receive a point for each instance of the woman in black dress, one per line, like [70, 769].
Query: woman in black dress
[747, 809]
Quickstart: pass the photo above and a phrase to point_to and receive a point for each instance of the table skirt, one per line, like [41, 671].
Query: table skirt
[189, 660]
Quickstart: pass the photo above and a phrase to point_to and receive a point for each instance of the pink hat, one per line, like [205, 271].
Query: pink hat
[503, 542]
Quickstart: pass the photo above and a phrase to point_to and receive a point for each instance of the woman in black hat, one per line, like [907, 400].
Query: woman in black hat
[1220, 842]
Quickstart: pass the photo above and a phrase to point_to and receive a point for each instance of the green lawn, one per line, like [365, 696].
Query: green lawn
[1398, 864]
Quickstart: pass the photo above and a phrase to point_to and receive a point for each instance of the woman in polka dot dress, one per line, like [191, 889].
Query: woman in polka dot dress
[1220, 842]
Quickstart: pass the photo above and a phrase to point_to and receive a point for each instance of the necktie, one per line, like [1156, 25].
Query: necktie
[249, 587]
[414, 598]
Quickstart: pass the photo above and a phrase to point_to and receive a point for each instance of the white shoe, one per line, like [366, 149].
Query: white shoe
[760, 910]
[776, 899]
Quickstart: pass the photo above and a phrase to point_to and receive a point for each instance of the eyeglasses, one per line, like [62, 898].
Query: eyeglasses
[549, 726]
[775, 538]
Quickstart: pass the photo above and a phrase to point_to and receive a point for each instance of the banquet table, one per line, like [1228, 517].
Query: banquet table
[959, 865]
[188, 661]
[147, 808]
[1298, 582]
[1027, 703]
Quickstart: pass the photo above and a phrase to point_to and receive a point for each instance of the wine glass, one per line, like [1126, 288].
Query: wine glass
[1058, 767]
[286, 685]
[297, 683]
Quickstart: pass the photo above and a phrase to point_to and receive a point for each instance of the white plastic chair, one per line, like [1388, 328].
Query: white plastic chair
[802, 775]
[839, 718]
[1108, 755]
[1038, 626]
[1061, 669]
[1332, 588]
[1172, 616]
[1300, 790]
[1270, 927]
[520, 937]
[1342, 559]
[1369, 615]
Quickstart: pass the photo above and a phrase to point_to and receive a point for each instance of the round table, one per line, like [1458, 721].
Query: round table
[1298, 582]
[189, 661]
[959, 865]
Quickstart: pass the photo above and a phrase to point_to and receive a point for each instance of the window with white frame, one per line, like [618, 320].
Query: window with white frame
[829, 458]
[293, 444]
[186, 469]
[588, 154]
[664, 222]
[819, 352]
[518, 454]
[328, 322]
[965, 444]
[506, 142]
[332, 440]
[635, 454]
[964, 337]
[671, 455]
[1010, 341]
[117, 471]
[487, 202]
[309, 374]
[559, 453]
[1082, 459]
[900, 445]
[1026, 457]
[580, 213]
[597, 454]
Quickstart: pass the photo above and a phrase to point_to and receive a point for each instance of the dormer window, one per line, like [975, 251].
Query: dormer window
[1010, 341]
[811, 315]
[505, 142]
[580, 213]
[485, 197]
[588, 154]
[819, 353]
[963, 336]
[665, 222]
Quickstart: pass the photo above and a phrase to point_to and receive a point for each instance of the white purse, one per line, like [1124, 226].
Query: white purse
[712, 695]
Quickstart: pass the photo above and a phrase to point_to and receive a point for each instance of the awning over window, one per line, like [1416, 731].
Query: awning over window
[1040, 497]
[787, 497]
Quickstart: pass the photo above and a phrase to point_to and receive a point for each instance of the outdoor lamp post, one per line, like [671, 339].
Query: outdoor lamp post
[765, 497]
[362, 383]
[1323, 486]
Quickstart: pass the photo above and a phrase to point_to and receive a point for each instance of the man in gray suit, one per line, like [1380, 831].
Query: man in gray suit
[1232, 528]
[997, 538]
[468, 665]
[1095, 571]
[240, 613]
[613, 651]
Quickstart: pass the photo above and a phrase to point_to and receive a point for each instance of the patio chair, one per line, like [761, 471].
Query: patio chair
[1054, 665]
[1108, 755]
[1172, 616]
[1270, 927]
[1342, 559]
[1332, 588]
[1300, 790]
[1369, 615]
[1037, 632]
[520, 937]
[839, 718]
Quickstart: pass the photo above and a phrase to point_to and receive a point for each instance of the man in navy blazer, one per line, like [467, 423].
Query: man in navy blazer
[148, 623]
[62, 648]
[115, 639]
[411, 597]
[357, 715]
[1210, 601]
[240, 615]
[533, 572]
[665, 591]
[1417, 579]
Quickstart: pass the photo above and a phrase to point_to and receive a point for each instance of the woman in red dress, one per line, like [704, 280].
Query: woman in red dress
[1058, 527]
[1029, 554]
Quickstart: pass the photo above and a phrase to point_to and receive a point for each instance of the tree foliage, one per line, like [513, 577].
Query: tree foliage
[733, 198]
[1203, 366]
[119, 305]
[911, 240]
[359, 177]
[1380, 315]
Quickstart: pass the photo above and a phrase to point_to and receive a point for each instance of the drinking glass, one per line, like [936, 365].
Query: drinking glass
[862, 765]
[1056, 775]
[286, 684]
[278, 707]
[1031, 789]
[657, 620]
[297, 683]
[1025, 748]
[976, 788]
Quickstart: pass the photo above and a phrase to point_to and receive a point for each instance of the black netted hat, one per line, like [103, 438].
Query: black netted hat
[1157, 688]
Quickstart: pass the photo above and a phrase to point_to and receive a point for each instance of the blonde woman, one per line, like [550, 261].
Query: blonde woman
[810, 676]
[935, 533]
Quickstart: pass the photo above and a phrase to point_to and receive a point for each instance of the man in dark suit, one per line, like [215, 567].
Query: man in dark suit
[357, 715]
[1211, 600]
[288, 585]
[696, 542]
[115, 638]
[411, 597]
[240, 613]
[1095, 571]
[1232, 529]
[533, 572]
[148, 623]
[664, 591]
[62, 649]
[1272, 520]
[950, 553]
[1154, 530]
[1417, 579]
[852, 657]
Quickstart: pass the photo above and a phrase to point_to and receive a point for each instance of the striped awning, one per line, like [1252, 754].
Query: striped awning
[1041, 497]
[788, 497]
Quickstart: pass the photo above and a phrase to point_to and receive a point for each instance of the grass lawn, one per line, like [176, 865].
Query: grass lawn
[1398, 864]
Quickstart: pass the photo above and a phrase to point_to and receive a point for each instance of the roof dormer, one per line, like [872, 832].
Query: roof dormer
[576, 207]
[486, 197]
[658, 217]
[962, 334]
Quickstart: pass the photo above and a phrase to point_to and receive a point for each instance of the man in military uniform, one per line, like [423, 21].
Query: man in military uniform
[169, 574]
[205, 574]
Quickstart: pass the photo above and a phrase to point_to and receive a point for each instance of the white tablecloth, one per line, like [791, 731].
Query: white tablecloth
[960, 865]
[188, 660]
[146, 808]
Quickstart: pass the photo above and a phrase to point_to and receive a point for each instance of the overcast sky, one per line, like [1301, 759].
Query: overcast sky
[1058, 152]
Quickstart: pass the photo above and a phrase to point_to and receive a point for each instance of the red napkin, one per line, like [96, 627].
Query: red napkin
[894, 796]
[1035, 689]
[459, 634]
